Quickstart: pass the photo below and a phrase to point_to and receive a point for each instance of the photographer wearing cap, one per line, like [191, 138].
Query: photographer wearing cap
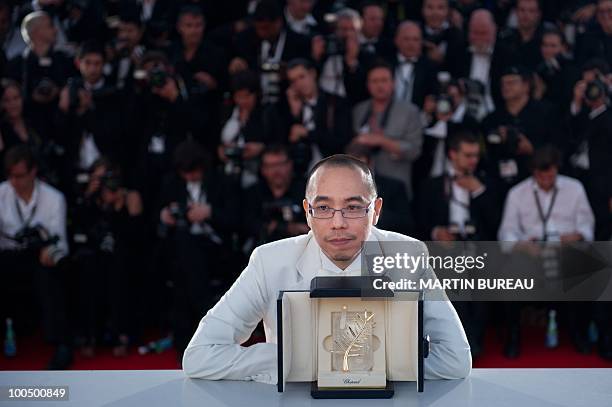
[33, 250]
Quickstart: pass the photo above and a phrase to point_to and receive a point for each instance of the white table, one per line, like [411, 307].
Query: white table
[485, 387]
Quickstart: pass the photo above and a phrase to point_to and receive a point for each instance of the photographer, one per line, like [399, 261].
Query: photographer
[199, 210]
[590, 147]
[250, 127]
[318, 122]
[41, 69]
[90, 114]
[202, 65]
[107, 231]
[442, 42]
[33, 250]
[516, 128]
[273, 208]
[266, 46]
[125, 52]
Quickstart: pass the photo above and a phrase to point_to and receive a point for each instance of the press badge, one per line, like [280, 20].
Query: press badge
[157, 145]
[508, 168]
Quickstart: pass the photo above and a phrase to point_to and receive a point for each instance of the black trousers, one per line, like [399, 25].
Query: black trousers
[31, 294]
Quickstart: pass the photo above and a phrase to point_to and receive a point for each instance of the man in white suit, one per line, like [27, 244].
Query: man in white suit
[342, 208]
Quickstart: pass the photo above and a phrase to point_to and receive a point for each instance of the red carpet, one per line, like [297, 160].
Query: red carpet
[33, 354]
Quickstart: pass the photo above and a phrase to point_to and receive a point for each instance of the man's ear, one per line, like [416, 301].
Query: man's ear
[305, 206]
[377, 209]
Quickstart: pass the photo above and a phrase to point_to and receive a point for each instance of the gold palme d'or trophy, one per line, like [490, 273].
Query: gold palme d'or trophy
[352, 340]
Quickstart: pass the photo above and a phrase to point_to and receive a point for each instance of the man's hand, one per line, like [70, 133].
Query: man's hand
[252, 149]
[169, 91]
[370, 140]
[317, 47]
[237, 65]
[351, 56]
[294, 100]
[524, 145]
[469, 182]
[206, 79]
[45, 257]
[441, 233]
[297, 133]
[199, 213]
[579, 89]
[572, 237]
[434, 52]
[166, 216]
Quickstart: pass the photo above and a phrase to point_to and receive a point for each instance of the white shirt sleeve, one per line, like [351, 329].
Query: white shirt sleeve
[215, 353]
[510, 228]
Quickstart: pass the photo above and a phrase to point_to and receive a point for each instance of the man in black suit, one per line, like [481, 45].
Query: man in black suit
[199, 210]
[461, 205]
[266, 47]
[415, 75]
[443, 42]
[373, 41]
[318, 123]
[597, 42]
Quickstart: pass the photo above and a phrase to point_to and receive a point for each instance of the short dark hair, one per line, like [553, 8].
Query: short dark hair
[276, 149]
[91, 47]
[131, 17]
[344, 161]
[555, 31]
[598, 64]
[303, 62]
[190, 9]
[267, 10]
[463, 136]
[245, 80]
[190, 156]
[545, 158]
[380, 63]
[17, 154]
[368, 3]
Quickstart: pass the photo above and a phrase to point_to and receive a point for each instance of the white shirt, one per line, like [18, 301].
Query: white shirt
[328, 267]
[480, 71]
[404, 78]
[47, 208]
[332, 76]
[459, 203]
[302, 26]
[570, 213]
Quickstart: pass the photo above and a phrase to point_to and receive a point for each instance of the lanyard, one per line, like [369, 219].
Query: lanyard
[545, 217]
[25, 222]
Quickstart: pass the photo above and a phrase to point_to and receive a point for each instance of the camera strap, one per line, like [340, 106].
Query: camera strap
[25, 222]
[544, 217]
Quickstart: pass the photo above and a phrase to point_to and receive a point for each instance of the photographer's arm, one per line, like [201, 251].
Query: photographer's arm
[215, 353]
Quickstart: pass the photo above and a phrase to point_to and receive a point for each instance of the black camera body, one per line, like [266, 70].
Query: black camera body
[283, 210]
[511, 142]
[110, 181]
[44, 87]
[334, 45]
[595, 89]
[179, 213]
[34, 238]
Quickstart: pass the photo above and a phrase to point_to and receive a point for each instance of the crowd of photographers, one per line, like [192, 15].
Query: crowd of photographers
[150, 145]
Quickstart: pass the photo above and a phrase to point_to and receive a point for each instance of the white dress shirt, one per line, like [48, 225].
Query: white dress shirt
[332, 76]
[47, 208]
[570, 211]
[303, 26]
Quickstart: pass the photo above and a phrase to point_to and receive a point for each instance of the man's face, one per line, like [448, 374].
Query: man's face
[340, 187]
[90, 66]
[21, 178]
[129, 33]
[481, 34]
[546, 178]
[191, 28]
[380, 83]
[276, 168]
[551, 46]
[514, 87]
[345, 27]
[435, 12]
[299, 9]
[12, 102]
[44, 31]
[245, 99]
[528, 14]
[465, 159]
[193, 176]
[268, 30]
[303, 80]
[409, 41]
[604, 15]
[373, 21]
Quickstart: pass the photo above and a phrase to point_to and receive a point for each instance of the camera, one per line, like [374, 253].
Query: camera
[110, 181]
[334, 45]
[283, 210]
[45, 87]
[103, 237]
[155, 77]
[511, 142]
[444, 104]
[595, 89]
[234, 159]
[475, 98]
[34, 238]
[179, 213]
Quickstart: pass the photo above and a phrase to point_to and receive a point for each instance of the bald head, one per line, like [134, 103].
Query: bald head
[482, 30]
[409, 39]
[37, 26]
[367, 187]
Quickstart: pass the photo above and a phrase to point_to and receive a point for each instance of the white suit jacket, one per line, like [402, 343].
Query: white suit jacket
[215, 353]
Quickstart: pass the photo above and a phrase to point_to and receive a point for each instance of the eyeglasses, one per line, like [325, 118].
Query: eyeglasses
[350, 212]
